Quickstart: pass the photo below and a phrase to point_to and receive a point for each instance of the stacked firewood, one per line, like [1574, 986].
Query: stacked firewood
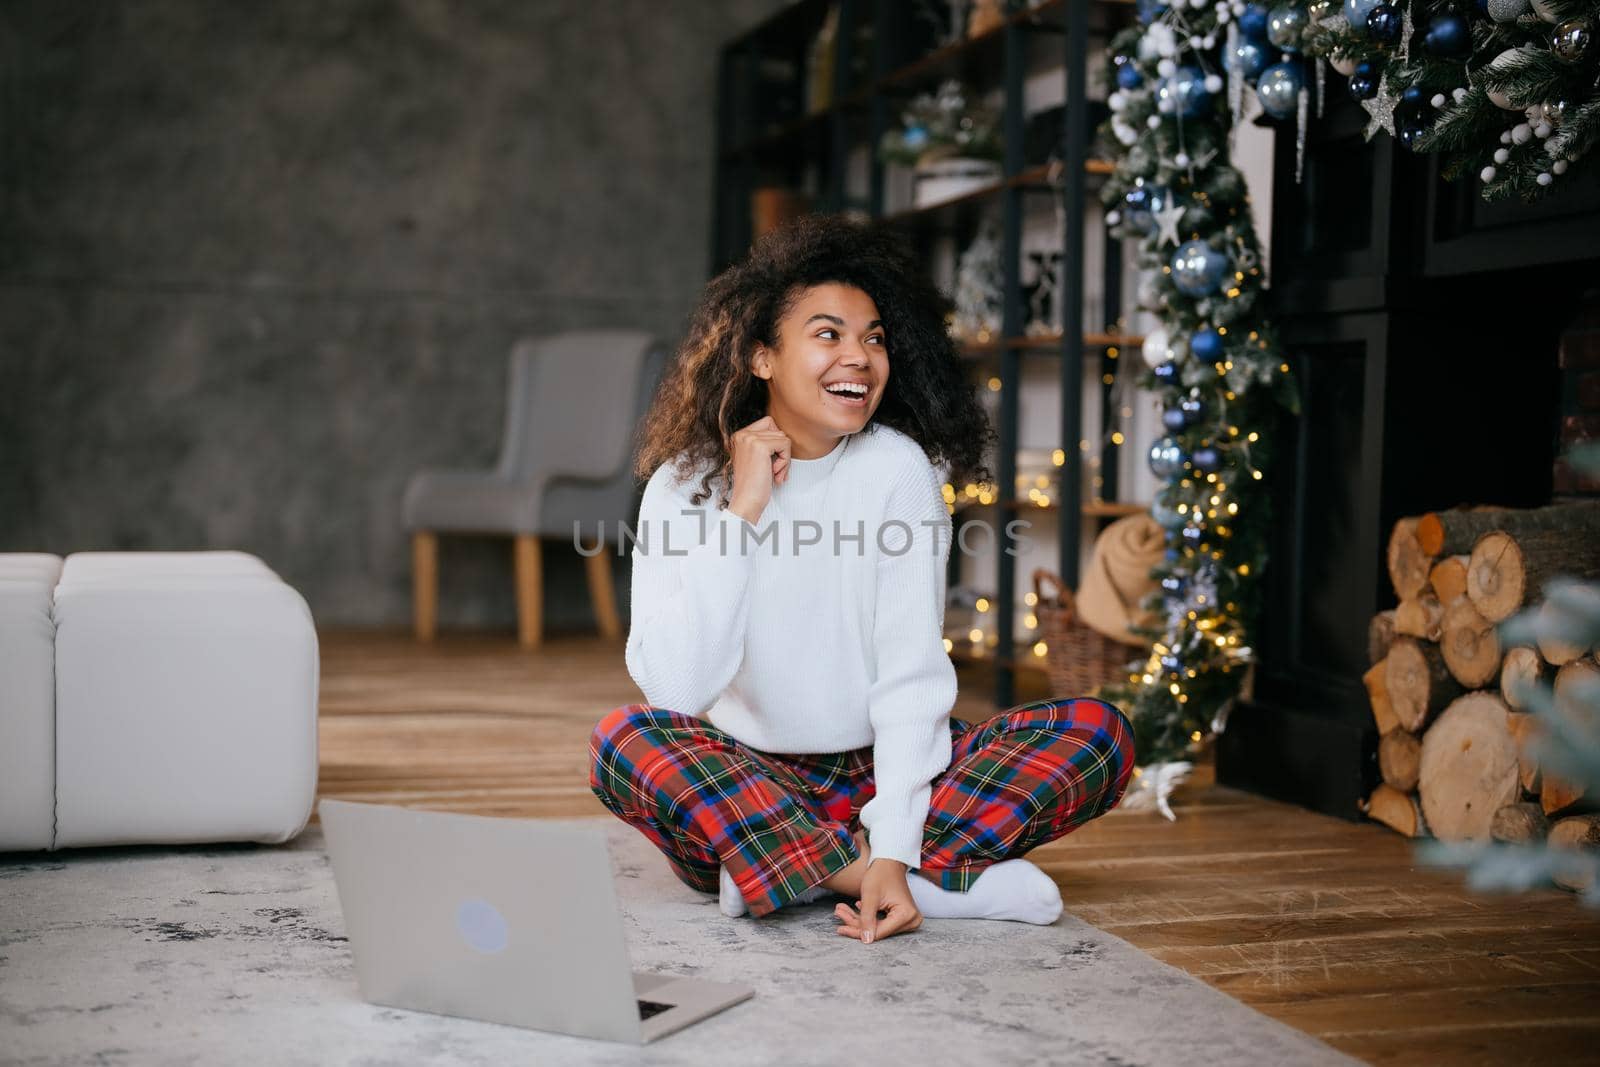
[1455, 748]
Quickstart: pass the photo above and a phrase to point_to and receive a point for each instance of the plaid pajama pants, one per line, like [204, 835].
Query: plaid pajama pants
[784, 823]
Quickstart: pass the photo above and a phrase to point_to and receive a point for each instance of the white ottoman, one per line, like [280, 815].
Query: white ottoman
[27, 701]
[185, 700]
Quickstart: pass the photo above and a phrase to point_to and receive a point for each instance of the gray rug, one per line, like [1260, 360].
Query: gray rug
[236, 955]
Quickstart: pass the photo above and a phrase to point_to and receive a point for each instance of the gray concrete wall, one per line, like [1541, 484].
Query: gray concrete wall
[258, 262]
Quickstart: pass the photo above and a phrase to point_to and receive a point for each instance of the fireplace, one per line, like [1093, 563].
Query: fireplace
[1423, 327]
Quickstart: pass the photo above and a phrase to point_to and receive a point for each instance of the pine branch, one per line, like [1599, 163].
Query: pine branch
[1460, 127]
[1579, 131]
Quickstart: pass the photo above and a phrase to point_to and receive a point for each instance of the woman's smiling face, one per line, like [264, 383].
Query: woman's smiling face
[828, 373]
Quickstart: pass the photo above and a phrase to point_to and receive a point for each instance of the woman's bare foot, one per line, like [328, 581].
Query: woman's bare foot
[847, 881]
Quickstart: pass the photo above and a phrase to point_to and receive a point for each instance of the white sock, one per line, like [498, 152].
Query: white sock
[1010, 889]
[731, 901]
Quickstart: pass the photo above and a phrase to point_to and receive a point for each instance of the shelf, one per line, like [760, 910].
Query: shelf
[1099, 509]
[1022, 660]
[966, 59]
[964, 209]
[1048, 342]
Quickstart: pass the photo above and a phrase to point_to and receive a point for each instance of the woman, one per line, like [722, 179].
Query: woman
[787, 614]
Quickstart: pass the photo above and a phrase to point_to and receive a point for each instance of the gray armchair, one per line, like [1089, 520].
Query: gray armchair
[572, 405]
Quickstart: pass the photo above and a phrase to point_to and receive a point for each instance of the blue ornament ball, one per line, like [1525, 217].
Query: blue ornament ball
[1197, 268]
[1383, 24]
[1448, 36]
[1286, 24]
[1247, 59]
[1192, 535]
[1166, 516]
[1140, 205]
[1206, 345]
[1364, 82]
[1166, 372]
[1414, 97]
[1150, 10]
[1174, 420]
[1193, 409]
[1128, 76]
[1356, 12]
[1166, 458]
[1207, 460]
[1253, 22]
[1279, 89]
[1184, 93]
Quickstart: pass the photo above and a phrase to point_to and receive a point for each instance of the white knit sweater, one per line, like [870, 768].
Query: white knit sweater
[815, 647]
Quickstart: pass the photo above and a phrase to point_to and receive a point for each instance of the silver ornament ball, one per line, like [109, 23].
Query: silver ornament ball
[1570, 41]
[1507, 10]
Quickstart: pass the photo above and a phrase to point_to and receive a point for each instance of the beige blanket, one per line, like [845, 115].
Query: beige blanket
[1118, 578]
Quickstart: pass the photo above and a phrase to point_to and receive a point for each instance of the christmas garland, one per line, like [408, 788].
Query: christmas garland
[1213, 362]
[1504, 90]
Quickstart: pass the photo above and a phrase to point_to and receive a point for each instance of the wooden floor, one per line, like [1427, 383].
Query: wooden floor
[1324, 924]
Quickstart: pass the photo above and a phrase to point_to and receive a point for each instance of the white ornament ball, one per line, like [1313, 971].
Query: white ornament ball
[1502, 154]
[1487, 174]
[1166, 68]
[1117, 101]
[1541, 131]
[1198, 4]
[1438, 100]
[1180, 160]
[1113, 217]
[1522, 133]
[1543, 9]
[1223, 14]
[1506, 10]
[1157, 348]
[1459, 95]
[1505, 137]
[1213, 82]
[1154, 122]
[1544, 178]
[1558, 167]
[1510, 58]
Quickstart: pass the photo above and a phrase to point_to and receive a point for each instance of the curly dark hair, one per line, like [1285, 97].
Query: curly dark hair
[709, 391]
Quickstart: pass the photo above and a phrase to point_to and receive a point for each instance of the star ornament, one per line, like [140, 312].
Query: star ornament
[1380, 109]
[1167, 220]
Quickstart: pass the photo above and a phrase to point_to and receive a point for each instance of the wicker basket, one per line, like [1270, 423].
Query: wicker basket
[1079, 659]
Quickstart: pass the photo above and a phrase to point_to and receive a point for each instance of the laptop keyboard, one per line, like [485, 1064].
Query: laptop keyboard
[649, 1008]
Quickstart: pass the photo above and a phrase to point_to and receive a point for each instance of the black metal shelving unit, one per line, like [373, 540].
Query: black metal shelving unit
[766, 135]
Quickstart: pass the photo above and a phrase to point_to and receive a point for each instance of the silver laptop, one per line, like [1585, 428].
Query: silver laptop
[506, 920]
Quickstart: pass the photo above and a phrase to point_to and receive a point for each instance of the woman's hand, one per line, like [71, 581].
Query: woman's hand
[760, 461]
[883, 887]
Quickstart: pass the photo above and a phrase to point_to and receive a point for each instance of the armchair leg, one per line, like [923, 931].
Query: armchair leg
[601, 594]
[530, 590]
[424, 583]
